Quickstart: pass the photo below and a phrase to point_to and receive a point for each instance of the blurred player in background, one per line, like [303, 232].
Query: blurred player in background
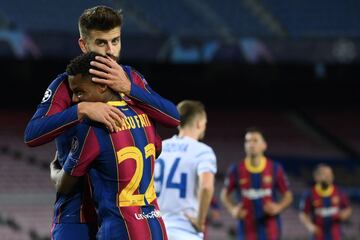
[100, 29]
[185, 173]
[120, 164]
[324, 207]
[256, 181]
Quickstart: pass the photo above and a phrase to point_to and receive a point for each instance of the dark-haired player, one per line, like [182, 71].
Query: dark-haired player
[324, 207]
[100, 31]
[120, 165]
[257, 181]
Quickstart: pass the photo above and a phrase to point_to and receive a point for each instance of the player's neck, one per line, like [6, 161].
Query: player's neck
[112, 97]
[255, 160]
[187, 132]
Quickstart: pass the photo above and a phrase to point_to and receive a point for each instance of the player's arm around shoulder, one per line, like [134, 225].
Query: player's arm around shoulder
[126, 81]
[47, 120]
[159, 108]
[54, 114]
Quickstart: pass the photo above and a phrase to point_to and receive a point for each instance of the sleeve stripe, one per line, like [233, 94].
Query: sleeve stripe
[44, 136]
[202, 153]
[52, 99]
[158, 110]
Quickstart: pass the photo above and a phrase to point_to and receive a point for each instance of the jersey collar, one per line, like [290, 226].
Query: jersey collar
[324, 193]
[117, 103]
[257, 169]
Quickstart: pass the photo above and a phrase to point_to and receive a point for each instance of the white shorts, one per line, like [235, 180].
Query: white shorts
[179, 234]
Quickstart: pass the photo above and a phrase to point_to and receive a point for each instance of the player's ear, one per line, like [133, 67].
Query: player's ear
[197, 123]
[102, 88]
[265, 146]
[82, 45]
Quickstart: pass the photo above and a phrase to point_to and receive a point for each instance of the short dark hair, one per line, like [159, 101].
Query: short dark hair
[188, 110]
[101, 18]
[255, 130]
[320, 166]
[81, 64]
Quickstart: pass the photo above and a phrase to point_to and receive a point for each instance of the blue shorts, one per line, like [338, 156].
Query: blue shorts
[73, 231]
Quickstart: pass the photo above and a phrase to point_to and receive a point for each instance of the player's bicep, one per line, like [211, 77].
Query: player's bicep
[206, 180]
[230, 180]
[344, 201]
[206, 162]
[53, 114]
[305, 203]
[57, 98]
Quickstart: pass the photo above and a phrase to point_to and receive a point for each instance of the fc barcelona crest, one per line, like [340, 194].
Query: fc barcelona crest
[335, 200]
[267, 179]
[243, 181]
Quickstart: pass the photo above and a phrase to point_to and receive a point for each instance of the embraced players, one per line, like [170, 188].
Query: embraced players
[256, 181]
[324, 207]
[184, 175]
[120, 165]
[100, 29]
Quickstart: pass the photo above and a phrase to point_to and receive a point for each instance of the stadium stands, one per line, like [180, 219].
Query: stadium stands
[300, 18]
[322, 18]
[340, 123]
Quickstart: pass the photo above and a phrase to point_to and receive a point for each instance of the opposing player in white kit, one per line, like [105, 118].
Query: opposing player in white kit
[185, 174]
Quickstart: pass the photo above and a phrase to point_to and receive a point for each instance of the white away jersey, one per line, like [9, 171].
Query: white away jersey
[176, 178]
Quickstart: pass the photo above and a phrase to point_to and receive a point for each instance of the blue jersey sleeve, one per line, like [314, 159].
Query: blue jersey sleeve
[158, 108]
[84, 150]
[54, 114]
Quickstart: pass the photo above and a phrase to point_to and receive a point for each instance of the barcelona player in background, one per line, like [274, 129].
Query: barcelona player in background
[324, 207]
[120, 164]
[100, 31]
[185, 175]
[257, 181]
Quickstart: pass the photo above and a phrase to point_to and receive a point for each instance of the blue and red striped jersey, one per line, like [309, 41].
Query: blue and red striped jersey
[254, 187]
[55, 114]
[324, 207]
[121, 166]
[77, 206]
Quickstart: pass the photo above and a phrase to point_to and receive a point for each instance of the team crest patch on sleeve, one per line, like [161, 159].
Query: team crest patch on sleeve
[335, 200]
[267, 179]
[74, 144]
[47, 95]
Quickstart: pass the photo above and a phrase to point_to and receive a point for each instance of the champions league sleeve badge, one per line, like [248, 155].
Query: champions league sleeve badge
[47, 95]
[74, 144]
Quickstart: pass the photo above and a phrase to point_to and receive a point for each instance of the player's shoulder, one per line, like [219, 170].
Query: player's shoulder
[60, 78]
[58, 83]
[198, 148]
[133, 73]
[339, 190]
[233, 168]
[275, 163]
[89, 125]
[203, 147]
